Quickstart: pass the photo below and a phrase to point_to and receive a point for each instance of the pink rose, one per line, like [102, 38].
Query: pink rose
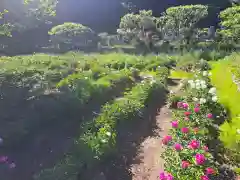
[204, 177]
[210, 171]
[185, 164]
[185, 130]
[175, 124]
[166, 140]
[210, 116]
[200, 159]
[178, 147]
[194, 144]
[185, 105]
[196, 109]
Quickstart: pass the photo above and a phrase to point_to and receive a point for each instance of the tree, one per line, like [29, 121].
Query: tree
[230, 25]
[181, 21]
[4, 27]
[138, 28]
[72, 34]
[28, 14]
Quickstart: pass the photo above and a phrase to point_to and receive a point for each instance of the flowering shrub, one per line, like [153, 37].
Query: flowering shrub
[186, 155]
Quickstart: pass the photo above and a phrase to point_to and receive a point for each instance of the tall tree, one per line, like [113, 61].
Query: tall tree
[230, 24]
[181, 22]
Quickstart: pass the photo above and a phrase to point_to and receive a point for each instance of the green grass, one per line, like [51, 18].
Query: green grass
[228, 94]
[179, 74]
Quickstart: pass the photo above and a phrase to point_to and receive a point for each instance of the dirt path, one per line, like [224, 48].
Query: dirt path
[139, 146]
[150, 149]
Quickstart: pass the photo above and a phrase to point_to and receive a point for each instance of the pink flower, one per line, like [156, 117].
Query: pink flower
[178, 147]
[185, 105]
[205, 148]
[180, 104]
[204, 177]
[165, 176]
[194, 144]
[185, 164]
[166, 140]
[185, 130]
[186, 119]
[210, 171]
[196, 109]
[3, 159]
[170, 177]
[162, 176]
[210, 116]
[175, 124]
[200, 159]
[187, 113]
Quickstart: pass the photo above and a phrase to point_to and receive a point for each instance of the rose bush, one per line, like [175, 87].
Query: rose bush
[186, 155]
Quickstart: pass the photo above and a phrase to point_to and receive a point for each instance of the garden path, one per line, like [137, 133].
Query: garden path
[151, 148]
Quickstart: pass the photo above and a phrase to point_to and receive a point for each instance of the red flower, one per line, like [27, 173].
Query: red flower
[210, 116]
[166, 140]
[185, 164]
[204, 177]
[185, 130]
[187, 113]
[210, 171]
[196, 109]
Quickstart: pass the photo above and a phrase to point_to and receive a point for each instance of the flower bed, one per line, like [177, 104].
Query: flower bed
[187, 155]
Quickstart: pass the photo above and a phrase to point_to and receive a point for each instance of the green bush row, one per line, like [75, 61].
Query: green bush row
[99, 139]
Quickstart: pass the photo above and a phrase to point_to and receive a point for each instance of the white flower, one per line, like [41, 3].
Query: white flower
[205, 73]
[197, 81]
[238, 131]
[204, 86]
[214, 98]
[212, 90]
[195, 99]
[192, 85]
[108, 134]
[202, 100]
[198, 87]
[202, 82]
[190, 81]
[209, 74]
[103, 140]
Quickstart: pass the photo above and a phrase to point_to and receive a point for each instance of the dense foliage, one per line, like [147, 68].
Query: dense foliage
[71, 35]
